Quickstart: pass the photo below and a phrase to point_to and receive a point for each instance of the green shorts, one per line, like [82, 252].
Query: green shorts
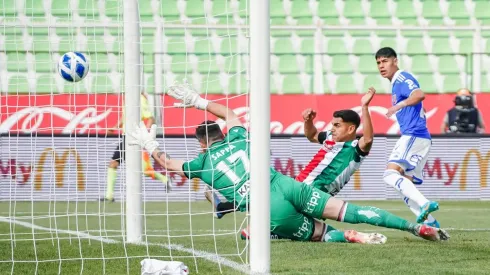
[294, 205]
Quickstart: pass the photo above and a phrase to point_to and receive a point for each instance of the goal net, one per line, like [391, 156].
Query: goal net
[63, 184]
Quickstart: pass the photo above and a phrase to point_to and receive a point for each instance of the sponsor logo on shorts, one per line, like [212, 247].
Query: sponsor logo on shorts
[304, 228]
[310, 206]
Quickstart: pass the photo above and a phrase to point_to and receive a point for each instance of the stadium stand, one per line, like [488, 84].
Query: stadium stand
[215, 59]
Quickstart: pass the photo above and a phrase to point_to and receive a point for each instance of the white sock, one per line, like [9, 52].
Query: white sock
[404, 186]
[415, 208]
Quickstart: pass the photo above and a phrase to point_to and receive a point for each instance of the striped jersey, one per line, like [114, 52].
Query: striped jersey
[333, 165]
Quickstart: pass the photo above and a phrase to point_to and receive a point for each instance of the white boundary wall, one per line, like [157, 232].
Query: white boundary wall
[21, 159]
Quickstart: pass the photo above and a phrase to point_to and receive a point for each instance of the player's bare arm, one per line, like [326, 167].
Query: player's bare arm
[311, 132]
[366, 141]
[224, 113]
[415, 98]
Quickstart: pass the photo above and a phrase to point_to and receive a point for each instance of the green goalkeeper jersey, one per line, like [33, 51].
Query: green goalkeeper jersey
[225, 166]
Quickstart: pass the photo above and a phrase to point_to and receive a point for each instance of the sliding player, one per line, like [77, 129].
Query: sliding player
[119, 156]
[224, 165]
[408, 158]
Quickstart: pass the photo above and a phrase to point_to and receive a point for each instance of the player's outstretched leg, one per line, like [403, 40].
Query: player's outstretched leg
[352, 213]
[214, 200]
[149, 171]
[404, 186]
[111, 181]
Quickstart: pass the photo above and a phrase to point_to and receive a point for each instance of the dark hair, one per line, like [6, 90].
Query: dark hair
[348, 116]
[209, 130]
[385, 52]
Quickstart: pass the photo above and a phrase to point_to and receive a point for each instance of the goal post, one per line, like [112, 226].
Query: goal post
[132, 76]
[259, 136]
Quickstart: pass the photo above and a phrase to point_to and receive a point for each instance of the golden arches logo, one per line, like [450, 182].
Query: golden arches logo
[482, 164]
[59, 168]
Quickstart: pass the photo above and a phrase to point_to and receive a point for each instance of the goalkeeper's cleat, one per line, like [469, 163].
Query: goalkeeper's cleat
[432, 233]
[426, 209]
[353, 236]
[106, 199]
[214, 200]
[435, 224]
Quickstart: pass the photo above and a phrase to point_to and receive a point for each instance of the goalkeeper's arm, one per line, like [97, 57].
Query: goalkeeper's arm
[174, 165]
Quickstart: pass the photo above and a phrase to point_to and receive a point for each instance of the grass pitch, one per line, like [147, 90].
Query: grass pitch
[87, 238]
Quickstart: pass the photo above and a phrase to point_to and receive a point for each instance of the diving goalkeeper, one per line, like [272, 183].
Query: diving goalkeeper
[295, 207]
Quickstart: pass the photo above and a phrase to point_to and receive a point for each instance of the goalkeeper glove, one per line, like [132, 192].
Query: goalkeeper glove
[144, 138]
[188, 96]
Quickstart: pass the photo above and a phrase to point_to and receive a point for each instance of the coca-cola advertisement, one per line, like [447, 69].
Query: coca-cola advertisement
[90, 114]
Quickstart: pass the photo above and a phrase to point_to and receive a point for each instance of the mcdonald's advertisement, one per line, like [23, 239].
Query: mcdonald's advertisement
[75, 168]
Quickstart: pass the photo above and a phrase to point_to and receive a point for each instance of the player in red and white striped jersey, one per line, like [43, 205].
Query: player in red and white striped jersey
[342, 152]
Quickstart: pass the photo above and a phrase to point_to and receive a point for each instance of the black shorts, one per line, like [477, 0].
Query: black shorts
[119, 154]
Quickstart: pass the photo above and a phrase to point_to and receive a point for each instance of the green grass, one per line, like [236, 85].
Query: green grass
[88, 240]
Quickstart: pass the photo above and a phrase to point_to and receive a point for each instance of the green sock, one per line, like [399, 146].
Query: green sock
[111, 180]
[375, 216]
[334, 236]
[161, 177]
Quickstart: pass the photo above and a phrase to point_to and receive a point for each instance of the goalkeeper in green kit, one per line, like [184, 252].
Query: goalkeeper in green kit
[295, 207]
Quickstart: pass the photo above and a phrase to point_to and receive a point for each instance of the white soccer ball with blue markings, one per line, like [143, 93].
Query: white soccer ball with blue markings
[73, 66]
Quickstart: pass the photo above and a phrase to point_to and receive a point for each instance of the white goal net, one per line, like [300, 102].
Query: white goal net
[63, 193]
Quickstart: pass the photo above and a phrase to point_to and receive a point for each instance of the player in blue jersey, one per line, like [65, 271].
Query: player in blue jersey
[408, 158]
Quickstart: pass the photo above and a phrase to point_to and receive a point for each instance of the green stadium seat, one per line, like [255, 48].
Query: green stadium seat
[16, 62]
[146, 14]
[230, 64]
[353, 9]
[405, 9]
[8, 8]
[427, 83]
[292, 85]
[345, 85]
[46, 84]
[452, 83]
[148, 63]
[147, 44]
[326, 8]
[181, 63]
[176, 45]
[238, 84]
[420, 64]
[341, 64]
[99, 63]
[372, 80]
[416, 46]
[88, 9]
[441, 45]
[41, 43]
[431, 10]
[283, 45]
[203, 46]
[102, 83]
[447, 64]
[300, 9]
[276, 9]
[367, 64]
[14, 43]
[288, 64]
[457, 10]
[363, 46]
[336, 46]
[243, 9]
[114, 9]
[211, 84]
[307, 45]
[379, 9]
[207, 64]
[32, 8]
[61, 8]
[388, 42]
[482, 9]
[195, 10]
[229, 45]
[18, 84]
[44, 63]
[168, 10]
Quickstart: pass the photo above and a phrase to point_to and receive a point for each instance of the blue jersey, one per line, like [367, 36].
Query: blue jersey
[411, 119]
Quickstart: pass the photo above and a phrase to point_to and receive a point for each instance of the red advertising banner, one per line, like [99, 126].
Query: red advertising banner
[89, 113]
[286, 111]
[59, 114]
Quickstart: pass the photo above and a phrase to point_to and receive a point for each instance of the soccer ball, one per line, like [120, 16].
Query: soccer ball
[73, 66]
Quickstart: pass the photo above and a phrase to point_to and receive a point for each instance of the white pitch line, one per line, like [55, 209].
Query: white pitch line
[208, 256]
